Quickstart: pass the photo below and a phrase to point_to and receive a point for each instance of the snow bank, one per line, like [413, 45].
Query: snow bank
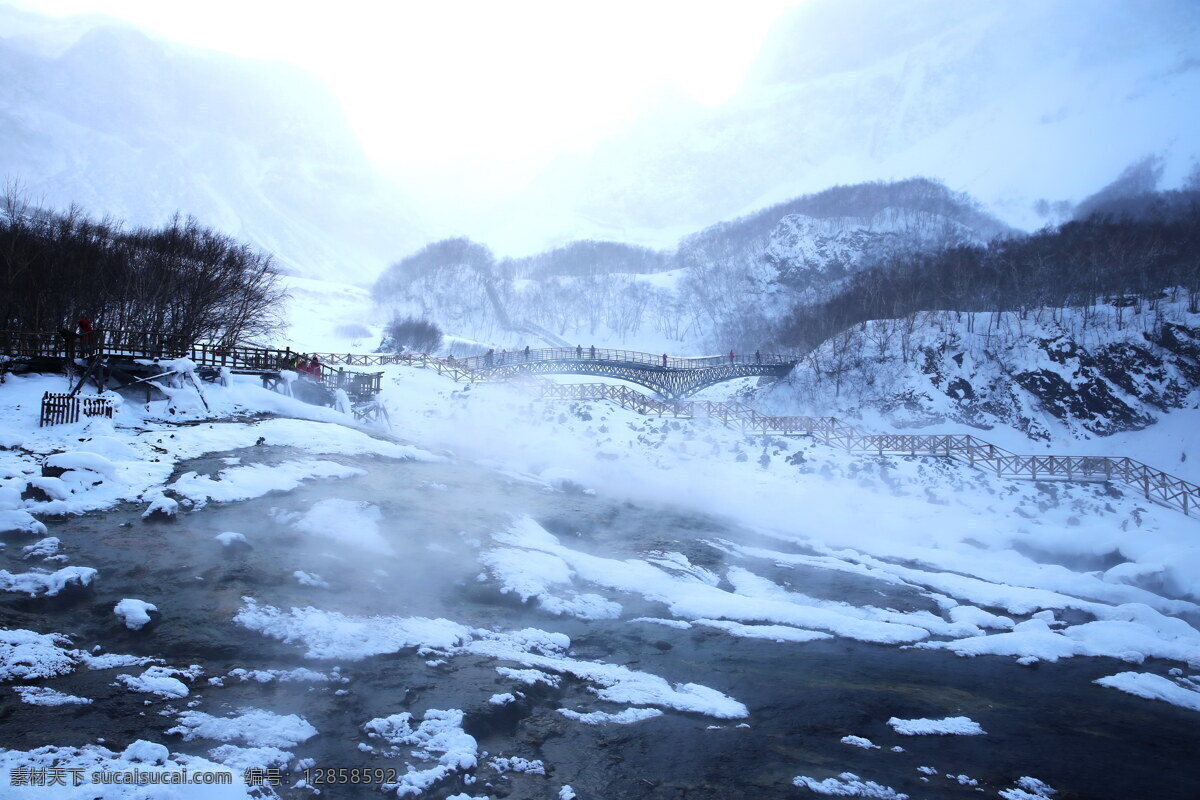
[518, 764]
[253, 726]
[957, 726]
[1153, 687]
[859, 741]
[848, 784]
[328, 634]
[626, 717]
[244, 483]
[153, 760]
[439, 738]
[92, 462]
[18, 521]
[162, 506]
[44, 696]
[40, 582]
[160, 681]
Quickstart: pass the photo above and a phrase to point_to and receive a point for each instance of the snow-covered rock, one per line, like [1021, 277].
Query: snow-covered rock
[134, 613]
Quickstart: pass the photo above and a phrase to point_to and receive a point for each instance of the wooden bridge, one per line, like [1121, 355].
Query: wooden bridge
[1153, 484]
[120, 360]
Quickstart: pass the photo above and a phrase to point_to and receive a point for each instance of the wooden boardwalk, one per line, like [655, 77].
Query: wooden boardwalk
[1153, 484]
[122, 359]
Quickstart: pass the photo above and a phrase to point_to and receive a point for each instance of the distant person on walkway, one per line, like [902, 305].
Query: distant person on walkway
[579, 351]
[730, 356]
[84, 326]
[757, 357]
[526, 352]
[314, 368]
[503, 357]
[593, 351]
[69, 338]
[664, 360]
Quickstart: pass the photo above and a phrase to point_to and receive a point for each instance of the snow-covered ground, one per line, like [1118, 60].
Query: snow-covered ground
[795, 546]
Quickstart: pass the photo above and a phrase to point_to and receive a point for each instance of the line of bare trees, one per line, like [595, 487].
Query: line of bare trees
[181, 279]
[1100, 260]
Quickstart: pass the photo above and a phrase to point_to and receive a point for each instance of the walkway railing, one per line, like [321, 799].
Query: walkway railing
[1153, 484]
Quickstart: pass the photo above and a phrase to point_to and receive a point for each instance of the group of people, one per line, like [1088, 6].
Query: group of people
[308, 367]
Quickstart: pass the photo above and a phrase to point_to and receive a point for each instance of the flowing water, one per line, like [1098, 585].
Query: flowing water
[1048, 722]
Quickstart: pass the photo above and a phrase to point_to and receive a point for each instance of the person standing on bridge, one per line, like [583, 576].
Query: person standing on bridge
[489, 357]
[757, 357]
[593, 351]
[84, 326]
[730, 356]
[526, 352]
[579, 351]
[314, 368]
[664, 360]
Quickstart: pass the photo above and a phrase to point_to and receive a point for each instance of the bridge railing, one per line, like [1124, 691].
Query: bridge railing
[516, 357]
[1153, 484]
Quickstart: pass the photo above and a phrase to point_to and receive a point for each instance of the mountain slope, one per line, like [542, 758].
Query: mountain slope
[100, 115]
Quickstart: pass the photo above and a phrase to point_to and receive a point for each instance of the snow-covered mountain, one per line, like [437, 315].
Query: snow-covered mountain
[1051, 374]
[95, 113]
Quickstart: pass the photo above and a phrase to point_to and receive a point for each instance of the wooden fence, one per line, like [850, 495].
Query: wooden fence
[1153, 484]
[60, 407]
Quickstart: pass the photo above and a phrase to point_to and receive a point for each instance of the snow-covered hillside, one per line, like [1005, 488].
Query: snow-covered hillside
[97, 114]
[1051, 374]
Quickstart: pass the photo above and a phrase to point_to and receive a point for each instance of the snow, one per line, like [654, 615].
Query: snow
[134, 613]
[244, 483]
[1028, 789]
[335, 635]
[1153, 687]
[243, 758]
[529, 676]
[310, 579]
[859, 741]
[502, 699]
[43, 548]
[141, 755]
[439, 738]
[230, 538]
[948, 726]
[254, 727]
[299, 674]
[17, 520]
[848, 784]
[627, 716]
[41, 582]
[518, 764]
[156, 680]
[86, 461]
[165, 506]
[346, 522]
[45, 696]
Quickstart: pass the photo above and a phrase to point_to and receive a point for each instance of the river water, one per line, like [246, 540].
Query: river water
[1048, 722]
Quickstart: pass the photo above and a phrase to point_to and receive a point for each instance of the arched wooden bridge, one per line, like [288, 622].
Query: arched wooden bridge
[670, 378]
